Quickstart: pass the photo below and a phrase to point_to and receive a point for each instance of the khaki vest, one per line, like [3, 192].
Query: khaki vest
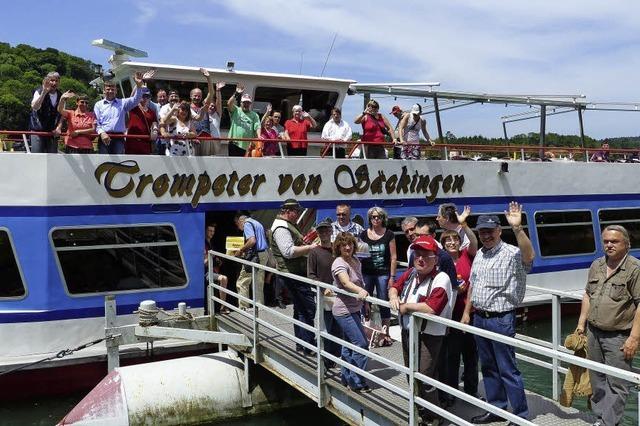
[296, 265]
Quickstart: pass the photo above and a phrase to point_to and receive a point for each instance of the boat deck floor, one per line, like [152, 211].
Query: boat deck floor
[382, 405]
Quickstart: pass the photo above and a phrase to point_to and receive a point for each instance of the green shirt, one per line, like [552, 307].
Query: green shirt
[244, 125]
[613, 300]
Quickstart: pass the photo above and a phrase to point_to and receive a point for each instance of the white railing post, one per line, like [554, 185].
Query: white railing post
[446, 154]
[256, 330]
[113, 348]
[322, 391]
[555, 341]
[522, 154]
[414, 363]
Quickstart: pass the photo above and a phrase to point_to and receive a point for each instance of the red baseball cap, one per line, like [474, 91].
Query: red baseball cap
[395, 109]
[425, 242]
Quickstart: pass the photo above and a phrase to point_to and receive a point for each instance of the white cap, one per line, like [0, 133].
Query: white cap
[415, 109]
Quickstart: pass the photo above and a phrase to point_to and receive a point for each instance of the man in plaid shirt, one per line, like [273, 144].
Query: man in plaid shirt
[498, 284]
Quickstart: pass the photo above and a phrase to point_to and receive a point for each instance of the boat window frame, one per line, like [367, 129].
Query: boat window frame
[15, 256]
[129, 225]
[601, 227]
[554, 256]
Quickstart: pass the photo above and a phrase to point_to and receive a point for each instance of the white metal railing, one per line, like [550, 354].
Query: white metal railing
[552, 349]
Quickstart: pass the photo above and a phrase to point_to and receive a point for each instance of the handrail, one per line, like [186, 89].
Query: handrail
[508, 149]
[548, 350]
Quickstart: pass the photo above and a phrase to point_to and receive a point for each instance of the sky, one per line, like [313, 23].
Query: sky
[490, 46]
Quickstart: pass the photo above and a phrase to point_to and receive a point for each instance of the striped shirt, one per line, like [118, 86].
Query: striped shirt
[498, 278]
[352, 228]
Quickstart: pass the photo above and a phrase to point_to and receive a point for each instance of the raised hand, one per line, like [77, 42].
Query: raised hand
[239, 88]
[148, 75]
[269, 109]
[514, 215]
[462, 218]
[68, 94]
[220, 85]
[205, 72]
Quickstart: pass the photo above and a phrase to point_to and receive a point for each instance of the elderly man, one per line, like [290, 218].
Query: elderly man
[423, 289]
[343, 223]
[498, 283]
[254, 249]
[161, 144]
[610, 307]
[290, 253]
[337, 130]
[111, 113]
[44, 114]
[448, 220]
[245, 122]
[408, 226]
[295, 131]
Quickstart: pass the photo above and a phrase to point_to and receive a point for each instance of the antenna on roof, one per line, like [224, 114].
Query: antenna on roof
[121, 53]
[335, 35]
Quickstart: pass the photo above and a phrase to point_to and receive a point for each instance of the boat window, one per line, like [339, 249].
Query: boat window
[119, 258]
[317, 103]
[565, 233]
[629, 218]
[402, 243]
[11, 284]
[184, 89]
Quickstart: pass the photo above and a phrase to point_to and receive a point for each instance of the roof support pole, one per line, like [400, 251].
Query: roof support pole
[506, 137]
[436, 109]
[581, 127]
[366, 98]
[543, 126]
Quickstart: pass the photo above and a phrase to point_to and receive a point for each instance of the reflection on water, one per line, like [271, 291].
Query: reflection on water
[538, 379]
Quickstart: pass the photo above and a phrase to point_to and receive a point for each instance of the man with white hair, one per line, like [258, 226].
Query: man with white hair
[44, 114]
[245, 122]
[295, 131]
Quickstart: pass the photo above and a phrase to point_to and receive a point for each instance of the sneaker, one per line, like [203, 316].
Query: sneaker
[598, 423]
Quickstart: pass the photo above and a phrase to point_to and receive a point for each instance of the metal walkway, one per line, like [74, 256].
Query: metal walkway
[380, 406]
[393, 399]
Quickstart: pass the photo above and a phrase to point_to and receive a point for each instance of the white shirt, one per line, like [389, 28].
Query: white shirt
[53, 96]
[333, 131]
[416, 292]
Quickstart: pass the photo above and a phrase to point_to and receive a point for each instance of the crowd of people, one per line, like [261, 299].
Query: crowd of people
[175, 127]
[479, 281]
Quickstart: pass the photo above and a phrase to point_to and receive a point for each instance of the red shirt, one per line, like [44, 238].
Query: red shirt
[372, 129]
[437, 299]
[139, 124]
[77, 120]
[297, 130]
[463, 270]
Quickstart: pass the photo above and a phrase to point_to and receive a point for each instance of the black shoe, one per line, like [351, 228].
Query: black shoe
[486, 418]
[281, 305]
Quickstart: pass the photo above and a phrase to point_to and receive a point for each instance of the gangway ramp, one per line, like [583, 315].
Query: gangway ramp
[380, 406]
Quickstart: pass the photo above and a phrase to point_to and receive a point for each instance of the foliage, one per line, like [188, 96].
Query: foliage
[22, 69]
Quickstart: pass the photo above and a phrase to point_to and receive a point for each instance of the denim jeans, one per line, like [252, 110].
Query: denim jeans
[333, 328]
[461, 344]
[116, 146]
[353, 331]
[304, 309]
[500, 373]
[381, 285]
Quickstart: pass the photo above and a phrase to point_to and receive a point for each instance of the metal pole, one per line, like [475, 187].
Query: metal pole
[581, 127]
[555, 341]
[506, 137]
[322, 391]
[366, 99]
[414, 362]
[113, 351]
[543, 128]
[256, 331]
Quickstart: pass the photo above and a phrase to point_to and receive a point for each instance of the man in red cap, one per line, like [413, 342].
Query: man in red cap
[423, 289]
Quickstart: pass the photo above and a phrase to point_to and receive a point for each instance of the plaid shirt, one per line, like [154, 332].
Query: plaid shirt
[499, 278]
[352, 228]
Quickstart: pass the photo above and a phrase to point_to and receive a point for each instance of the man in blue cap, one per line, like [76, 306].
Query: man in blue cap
[498, 284]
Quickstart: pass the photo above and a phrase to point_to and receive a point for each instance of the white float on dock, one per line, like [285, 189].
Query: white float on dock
[182, 391]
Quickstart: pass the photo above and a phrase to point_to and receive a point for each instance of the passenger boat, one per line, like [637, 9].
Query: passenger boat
[75, 228]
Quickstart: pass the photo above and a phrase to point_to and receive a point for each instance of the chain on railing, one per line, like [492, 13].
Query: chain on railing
[554, 352]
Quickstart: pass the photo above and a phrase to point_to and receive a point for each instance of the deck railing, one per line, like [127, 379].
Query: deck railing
[552, 350]
[355, 149]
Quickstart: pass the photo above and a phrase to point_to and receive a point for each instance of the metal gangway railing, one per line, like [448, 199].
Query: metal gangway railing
[552, 350]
